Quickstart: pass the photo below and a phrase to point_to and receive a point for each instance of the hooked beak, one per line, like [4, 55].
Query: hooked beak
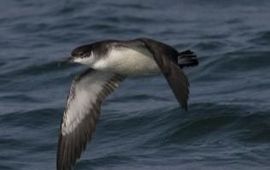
[70, 59]
[66, 61]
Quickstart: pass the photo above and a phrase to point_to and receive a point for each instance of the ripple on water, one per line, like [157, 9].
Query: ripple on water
[141, 125]
[261, 38]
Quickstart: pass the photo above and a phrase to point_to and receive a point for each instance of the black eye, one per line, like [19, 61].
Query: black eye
[77, 53]
[82, 51]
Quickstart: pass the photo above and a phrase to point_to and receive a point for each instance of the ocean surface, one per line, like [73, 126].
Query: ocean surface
[141, 126]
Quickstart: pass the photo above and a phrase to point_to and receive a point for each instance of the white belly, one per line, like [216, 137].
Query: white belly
[128, 61]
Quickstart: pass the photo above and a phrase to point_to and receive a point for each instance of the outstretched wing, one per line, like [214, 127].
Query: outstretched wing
[164, 54]
[87, 93]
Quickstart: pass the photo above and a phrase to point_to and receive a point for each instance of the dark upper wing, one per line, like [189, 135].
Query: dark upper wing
[81, 114]
[164, 56]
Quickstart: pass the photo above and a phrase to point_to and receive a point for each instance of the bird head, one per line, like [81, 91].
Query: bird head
[83, 55]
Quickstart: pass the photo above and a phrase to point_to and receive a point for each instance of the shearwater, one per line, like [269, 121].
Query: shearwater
[110, 62]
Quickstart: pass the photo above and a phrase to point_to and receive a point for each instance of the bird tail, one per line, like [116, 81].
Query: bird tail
[187, 59]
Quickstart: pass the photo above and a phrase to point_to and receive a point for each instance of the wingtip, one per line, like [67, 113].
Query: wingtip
[184, 107]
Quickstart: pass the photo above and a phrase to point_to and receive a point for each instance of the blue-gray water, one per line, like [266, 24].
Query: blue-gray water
[141, 125]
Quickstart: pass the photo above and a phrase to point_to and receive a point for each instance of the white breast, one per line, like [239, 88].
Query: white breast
[128, 61]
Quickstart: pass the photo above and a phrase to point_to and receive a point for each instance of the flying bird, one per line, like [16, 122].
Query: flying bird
[110, 62]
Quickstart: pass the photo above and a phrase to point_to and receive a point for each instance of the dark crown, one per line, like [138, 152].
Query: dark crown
[82, 51]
